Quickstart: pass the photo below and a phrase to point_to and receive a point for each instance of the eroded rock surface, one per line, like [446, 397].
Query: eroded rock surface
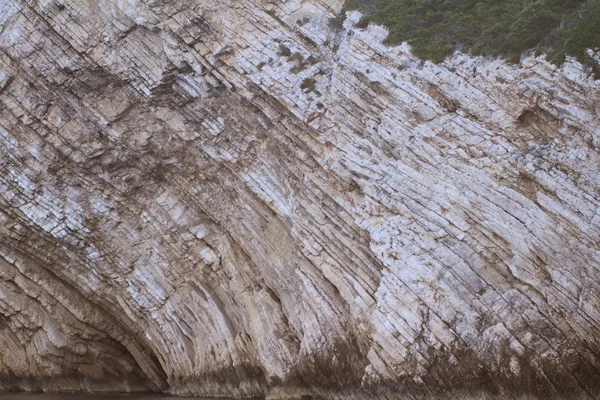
[234, 198]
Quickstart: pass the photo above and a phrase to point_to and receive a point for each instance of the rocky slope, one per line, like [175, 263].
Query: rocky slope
[233, 198]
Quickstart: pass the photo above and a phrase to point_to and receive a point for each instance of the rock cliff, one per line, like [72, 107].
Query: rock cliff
[236, 198]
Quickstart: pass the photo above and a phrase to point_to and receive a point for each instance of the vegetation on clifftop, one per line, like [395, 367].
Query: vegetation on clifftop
[507, 28]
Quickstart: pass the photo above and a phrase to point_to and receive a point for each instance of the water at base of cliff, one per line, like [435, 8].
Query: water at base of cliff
[32, 396]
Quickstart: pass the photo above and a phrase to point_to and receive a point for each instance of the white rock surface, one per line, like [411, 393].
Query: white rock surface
[233, 198]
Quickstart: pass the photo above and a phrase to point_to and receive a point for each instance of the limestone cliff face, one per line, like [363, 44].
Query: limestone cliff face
[233, 198]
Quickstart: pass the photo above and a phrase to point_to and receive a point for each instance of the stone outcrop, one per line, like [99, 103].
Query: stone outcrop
[236, 198]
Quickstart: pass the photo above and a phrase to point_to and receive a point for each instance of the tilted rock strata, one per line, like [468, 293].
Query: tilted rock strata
[233, 198]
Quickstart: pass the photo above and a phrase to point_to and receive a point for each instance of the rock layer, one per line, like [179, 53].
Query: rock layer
[234, 198]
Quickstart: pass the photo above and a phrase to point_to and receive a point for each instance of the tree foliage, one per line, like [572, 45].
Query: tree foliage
[507, 28]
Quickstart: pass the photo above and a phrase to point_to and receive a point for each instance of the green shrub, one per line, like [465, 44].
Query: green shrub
[308, 85]
[507, 28]
[284, 50]
[364, 22]
[337, 22]
[302, 21]
[296, 57]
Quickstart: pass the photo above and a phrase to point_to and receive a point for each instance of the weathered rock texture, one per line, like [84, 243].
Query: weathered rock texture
[232, 198]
